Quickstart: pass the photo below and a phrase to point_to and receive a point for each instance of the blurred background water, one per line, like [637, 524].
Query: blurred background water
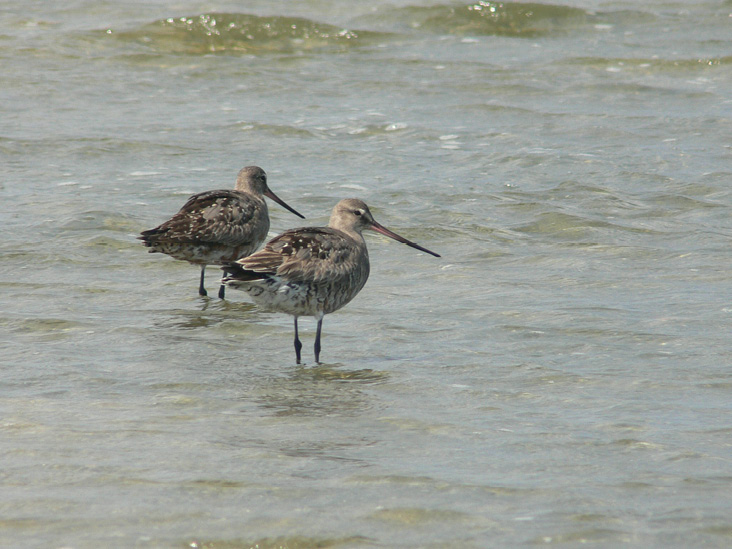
[560, 376]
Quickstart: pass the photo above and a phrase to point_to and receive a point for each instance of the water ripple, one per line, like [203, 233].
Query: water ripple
[241, 33]
[487, 18]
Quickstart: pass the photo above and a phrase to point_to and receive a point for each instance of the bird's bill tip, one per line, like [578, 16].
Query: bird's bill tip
[418, 247]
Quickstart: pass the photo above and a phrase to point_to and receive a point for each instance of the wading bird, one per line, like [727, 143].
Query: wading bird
[312, 271]
[220, 226]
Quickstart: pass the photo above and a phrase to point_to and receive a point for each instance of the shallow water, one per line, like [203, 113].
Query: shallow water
[560, 376]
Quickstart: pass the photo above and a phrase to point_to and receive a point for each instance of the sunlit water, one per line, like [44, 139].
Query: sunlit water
[560, 376]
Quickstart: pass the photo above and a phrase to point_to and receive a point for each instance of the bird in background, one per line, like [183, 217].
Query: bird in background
[312, 271]
[215, 227]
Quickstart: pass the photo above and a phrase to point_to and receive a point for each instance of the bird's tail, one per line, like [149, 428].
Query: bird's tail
[151, 236]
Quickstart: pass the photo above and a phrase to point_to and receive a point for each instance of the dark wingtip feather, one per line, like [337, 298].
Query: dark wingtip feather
[234, 271]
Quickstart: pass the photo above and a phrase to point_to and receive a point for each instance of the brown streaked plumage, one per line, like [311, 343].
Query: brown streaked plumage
[219, 226]
[312, 271]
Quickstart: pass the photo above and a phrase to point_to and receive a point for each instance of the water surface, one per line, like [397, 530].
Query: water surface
[561, 376]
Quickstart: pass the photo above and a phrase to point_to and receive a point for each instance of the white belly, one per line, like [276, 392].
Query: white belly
[273, 295]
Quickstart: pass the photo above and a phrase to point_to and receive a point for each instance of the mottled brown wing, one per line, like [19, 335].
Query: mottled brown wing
[308, 254]
[219, 217]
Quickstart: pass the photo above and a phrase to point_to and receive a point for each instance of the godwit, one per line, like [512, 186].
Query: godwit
[312, 271]
[214, 227]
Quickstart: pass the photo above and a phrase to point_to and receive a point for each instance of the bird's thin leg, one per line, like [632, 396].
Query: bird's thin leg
[298, 344]
[201, 289]
[222, 288]
[317, 340]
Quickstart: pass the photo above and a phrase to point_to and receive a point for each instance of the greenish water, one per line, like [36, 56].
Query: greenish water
[561, 376]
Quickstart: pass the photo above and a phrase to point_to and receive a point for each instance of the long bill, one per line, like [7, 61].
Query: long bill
[269, 194]
[386, 232]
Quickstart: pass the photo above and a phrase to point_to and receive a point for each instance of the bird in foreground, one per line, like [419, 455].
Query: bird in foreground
[312, 271]
[219, 226]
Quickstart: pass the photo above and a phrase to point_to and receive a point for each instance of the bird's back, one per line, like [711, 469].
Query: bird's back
[310, 271]
[212, 227]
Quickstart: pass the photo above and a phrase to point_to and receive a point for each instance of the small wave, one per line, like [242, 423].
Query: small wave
[649, 65]
[488, 18]
[242, 33]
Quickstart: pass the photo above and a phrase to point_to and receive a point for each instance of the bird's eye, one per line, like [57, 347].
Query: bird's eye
[357, 213]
